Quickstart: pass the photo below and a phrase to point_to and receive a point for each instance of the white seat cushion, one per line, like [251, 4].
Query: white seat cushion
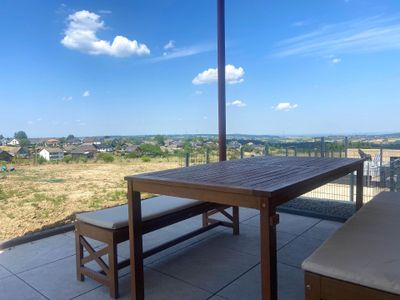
[366, 249]
[117, 217]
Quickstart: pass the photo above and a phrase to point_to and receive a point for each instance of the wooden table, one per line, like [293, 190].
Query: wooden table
[259, 182]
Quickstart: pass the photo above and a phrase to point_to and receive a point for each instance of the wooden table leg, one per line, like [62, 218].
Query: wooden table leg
[360, 187]
[269, 272]
[135, 244]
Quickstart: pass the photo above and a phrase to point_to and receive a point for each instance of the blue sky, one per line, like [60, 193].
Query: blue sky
[148, 67]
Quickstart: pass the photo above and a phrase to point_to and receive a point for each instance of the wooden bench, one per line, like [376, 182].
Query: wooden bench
[361, 260]
[110, 226]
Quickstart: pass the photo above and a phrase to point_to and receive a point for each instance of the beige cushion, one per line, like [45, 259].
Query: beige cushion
[117, 217]
[366, 249]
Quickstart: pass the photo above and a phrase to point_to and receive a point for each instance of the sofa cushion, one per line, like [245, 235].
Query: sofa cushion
[117, 217]
[366, 249]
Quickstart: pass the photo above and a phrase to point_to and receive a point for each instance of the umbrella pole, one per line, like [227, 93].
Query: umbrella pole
[221, 80]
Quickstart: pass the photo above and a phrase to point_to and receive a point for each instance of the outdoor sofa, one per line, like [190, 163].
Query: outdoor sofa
[361, 260]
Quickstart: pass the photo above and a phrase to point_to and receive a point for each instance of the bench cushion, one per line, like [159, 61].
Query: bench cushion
[366, 249]
[117, 217]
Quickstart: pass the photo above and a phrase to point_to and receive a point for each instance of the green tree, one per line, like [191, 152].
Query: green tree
[150, 150]
[20, 135]
[160, 139]
[70, 137]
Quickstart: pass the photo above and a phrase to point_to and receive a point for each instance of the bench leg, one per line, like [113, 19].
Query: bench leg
[205, 219]
[235, 220]
[113, 265]
[79, 256]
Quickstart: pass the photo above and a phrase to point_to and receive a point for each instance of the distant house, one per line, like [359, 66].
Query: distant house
[13, 142]
[84, 151]
[5, 156]
[104, 148]
[68, 149]
[52, 142]
[52, 153]
[129, 148]
[91, 141]
[234, 145]
[20, 152]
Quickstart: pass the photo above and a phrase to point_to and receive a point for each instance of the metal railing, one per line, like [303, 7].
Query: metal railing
[381, 170]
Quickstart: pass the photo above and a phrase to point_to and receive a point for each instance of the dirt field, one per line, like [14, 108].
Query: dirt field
[36, 197]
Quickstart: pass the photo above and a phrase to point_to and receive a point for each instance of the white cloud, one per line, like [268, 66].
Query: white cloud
[366, 35]
[233, 75]
[86, 93]
[67, 98]
[299, 24]
[169, 45]
[285, 106]
[182, 52]
[198, 92]
[81, 35]
[336, 60]
[237, 103]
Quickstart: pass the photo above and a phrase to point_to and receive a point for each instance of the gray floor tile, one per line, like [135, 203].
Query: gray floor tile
[248, 241]
[298, 250]
[14, 288]
[157, 287]
[290, 285]
[289, 223]
[205, 265]
[31, 255]
[3, 272]
[58, 280]
[322, 230]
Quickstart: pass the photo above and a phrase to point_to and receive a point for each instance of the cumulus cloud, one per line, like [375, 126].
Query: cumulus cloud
[285, 106]
[86, 93]
[233, 75]
[336, 60]
[237, 103]
[81, 35]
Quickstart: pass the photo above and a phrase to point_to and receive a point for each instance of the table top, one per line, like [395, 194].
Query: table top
[266, 176]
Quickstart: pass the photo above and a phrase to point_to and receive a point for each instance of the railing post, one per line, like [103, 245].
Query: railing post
[207, 156]
[295, 151]
[187, 156]
[346, 146]
[266, 150]
[391, 172]
[309, 152]
[322, 147]
[381, 156]
[241, 152]
[352, 186]
[287, 151]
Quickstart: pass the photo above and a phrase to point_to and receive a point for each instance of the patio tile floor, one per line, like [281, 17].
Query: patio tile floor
[215, 265]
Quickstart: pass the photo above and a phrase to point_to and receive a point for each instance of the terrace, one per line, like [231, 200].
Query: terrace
[45, 269]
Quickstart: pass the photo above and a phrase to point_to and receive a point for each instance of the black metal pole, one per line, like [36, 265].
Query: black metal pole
[221, 80]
